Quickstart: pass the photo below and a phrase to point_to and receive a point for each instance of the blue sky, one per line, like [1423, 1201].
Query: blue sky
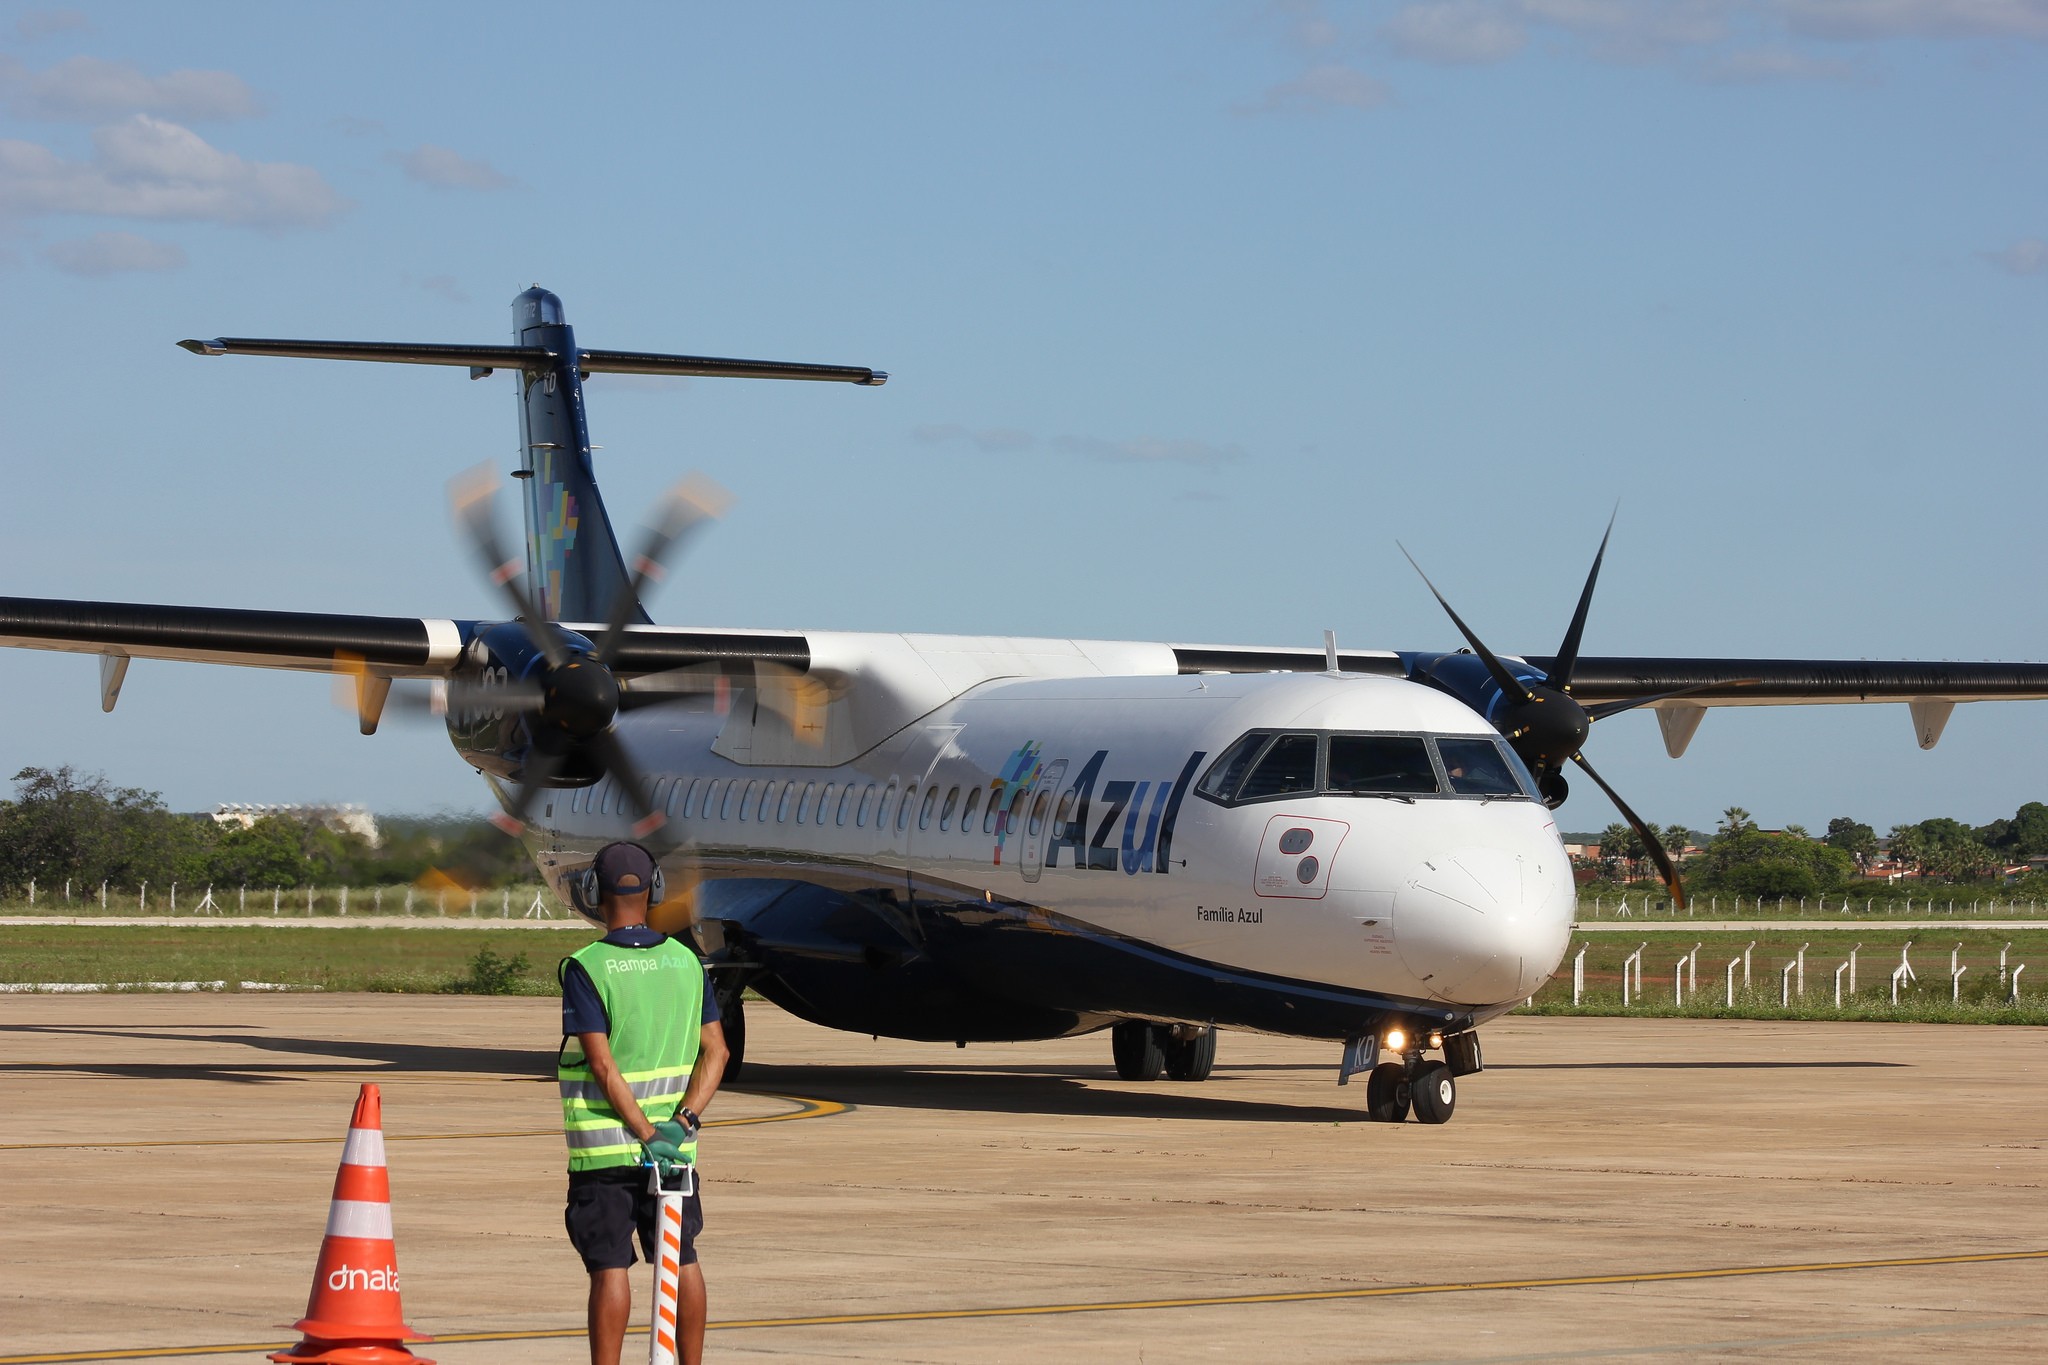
[1192, 311]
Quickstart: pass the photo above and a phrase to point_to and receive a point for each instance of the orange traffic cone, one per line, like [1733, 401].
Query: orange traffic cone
[353, 1317]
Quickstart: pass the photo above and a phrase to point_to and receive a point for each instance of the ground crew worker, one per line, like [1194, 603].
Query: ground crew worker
[642, 1054]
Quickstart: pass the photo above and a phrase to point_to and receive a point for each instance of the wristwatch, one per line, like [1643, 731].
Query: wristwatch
[689, 1116]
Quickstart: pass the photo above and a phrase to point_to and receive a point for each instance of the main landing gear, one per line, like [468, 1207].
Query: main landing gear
[1180, 1052]
[1416, 1085]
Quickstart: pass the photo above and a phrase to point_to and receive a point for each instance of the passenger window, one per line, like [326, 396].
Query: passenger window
[1476, 768]
[967, 811]
[924, 812]
[679, 795]
[725, 806]
[903, 811]
[1038, 811]
[845, 797]
[1016, 820]
[1396, 764]
[882, 806]
[867, 800]
[946, 811]
[1220, 782]
[767, 799]
[782, 806]
[747, 799]
[1288, 765]
[710, 799]
[1066, 812]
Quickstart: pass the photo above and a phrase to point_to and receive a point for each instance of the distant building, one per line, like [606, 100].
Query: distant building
[355, 820]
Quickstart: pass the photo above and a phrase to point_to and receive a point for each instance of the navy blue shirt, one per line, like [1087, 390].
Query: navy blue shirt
[583, 1011]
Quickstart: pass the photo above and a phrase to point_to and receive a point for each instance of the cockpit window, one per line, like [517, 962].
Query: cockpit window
[1476, 768]
[1288, 765]
[1220, 782]
[1398, 764]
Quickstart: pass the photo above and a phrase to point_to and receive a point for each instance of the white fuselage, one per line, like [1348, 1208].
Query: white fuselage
[1074, 799]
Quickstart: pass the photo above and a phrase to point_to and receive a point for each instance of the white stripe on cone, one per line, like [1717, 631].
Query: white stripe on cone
[365, 1147]
[358, 1218]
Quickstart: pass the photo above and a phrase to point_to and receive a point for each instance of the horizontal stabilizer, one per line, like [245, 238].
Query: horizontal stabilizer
[536, 358]
[392, 352]
[646, 362]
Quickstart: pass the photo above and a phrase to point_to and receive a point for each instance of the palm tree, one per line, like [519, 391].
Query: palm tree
[1736, 820]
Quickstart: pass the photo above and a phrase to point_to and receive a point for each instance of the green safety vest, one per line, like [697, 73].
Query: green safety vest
[654, 998]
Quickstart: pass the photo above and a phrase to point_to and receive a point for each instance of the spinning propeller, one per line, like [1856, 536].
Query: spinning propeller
[1545, 725]
[572, 699]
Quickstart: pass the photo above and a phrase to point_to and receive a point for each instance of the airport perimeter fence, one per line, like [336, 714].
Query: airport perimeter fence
[1705, 906]
[529, 901]
[1980, 978]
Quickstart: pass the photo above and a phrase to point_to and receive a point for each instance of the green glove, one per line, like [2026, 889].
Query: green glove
[670, 1130]
[662, 1153]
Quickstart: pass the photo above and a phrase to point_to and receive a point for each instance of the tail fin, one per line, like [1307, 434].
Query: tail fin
[574, 569]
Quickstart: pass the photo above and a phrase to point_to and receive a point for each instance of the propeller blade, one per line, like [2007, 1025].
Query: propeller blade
[1567, 660]
[687, 505]
[1615, 708]
[1506, 681]
[538, 771]
[473, 494]
[1649, 837]
[631, 784]
[444, 696]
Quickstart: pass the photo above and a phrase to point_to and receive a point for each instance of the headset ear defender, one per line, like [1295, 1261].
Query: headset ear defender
[590, 893]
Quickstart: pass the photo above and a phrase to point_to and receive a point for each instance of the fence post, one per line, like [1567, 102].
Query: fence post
[2015, 997]
[1639, 969]
[1953, 955]
[1678, 984]
[1785, 987]
[1731, 981]
[103, 895]
[1838, 984]
[1692, 969]
[2001, 962]
[242, 900]
[1745, 964]
[1906, 962]
[1955, 986]
[1578, 971]
[377, 901]
[408, 900]
[1852, 967]
[276, 901]
[309, 900]
[1801, 964]
[344, 900]
[505, 903]
[142, 898]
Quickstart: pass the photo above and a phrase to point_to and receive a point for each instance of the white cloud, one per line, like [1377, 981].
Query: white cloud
[992, 440]
[446, 287]
[47, 23]
[88, 89]
[1852, 19]
[438, 166]
[1151, 450]
[113, 253]
[1320, 88]
[1459, 32]
[144, 167]
[2028, 256]
[1754, 66]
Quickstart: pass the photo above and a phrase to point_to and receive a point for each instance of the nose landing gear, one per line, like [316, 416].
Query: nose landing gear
[1415, 1085]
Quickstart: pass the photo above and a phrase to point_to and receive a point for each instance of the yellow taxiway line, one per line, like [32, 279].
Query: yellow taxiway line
[807, 1108]
[1031, 1310]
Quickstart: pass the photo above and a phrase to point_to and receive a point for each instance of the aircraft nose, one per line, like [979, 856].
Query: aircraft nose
[1483, 926]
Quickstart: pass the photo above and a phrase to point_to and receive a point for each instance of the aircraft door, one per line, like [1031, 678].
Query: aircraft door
[1031, 860]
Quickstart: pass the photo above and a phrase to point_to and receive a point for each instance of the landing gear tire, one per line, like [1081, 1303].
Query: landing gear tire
[733, 1015]
[1135, 1045]
[1387, 1093]
[1190, 1059]
[1434, 1093]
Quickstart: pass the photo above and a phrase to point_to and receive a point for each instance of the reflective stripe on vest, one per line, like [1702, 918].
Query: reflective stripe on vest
[654, 998]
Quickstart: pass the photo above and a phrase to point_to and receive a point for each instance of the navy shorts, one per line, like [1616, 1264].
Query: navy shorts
[606, 1207]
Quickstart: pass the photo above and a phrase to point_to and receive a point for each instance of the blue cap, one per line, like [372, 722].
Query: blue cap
[624, 870]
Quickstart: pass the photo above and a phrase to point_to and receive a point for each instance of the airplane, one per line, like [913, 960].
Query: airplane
[984, 838]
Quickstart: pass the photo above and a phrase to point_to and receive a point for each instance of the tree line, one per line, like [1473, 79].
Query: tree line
[63, 825]
[1745, 860]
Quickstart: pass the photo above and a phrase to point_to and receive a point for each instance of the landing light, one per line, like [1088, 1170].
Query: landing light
[1397, 1041]
[1436, 1040]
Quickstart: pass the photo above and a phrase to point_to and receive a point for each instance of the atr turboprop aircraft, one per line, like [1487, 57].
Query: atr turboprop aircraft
[982, 838]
